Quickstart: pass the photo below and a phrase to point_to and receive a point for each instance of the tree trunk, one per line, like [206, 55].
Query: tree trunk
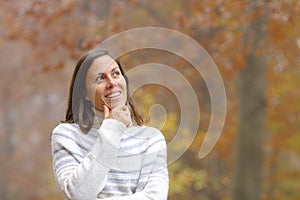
[101, 8]
[6, 151]
[251, 82]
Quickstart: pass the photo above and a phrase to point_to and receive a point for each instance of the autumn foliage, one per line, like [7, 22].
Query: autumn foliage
[41, 41]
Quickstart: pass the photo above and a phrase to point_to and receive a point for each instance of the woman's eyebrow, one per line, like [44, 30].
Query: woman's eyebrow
[103, 73]
[99, 74]
[114, 69]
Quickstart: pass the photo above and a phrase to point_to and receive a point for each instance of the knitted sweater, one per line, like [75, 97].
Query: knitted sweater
[110, 162]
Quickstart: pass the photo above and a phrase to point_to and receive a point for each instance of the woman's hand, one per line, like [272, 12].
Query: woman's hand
[120, 113]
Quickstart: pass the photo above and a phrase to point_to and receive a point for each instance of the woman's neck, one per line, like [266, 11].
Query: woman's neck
[98, 118]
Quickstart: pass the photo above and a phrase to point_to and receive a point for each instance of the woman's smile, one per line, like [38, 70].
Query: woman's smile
[113, 95]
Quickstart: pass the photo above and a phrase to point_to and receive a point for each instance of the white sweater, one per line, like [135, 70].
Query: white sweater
[110, 162]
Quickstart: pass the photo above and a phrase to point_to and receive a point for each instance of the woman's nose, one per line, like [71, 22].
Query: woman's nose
[110, 82]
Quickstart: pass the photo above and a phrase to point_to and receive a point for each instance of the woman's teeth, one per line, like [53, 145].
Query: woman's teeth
[112, 95]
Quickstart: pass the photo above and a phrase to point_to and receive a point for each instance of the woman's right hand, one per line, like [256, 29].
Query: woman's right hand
[120, 113]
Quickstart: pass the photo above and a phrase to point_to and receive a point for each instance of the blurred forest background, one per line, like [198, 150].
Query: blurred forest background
[255, 44]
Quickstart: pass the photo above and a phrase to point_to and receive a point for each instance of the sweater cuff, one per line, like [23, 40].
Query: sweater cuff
[108, 143]
[112, 130]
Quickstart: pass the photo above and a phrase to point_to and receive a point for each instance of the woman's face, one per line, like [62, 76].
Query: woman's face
[105, 84]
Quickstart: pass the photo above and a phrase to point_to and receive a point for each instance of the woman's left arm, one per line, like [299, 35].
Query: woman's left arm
[157, 182]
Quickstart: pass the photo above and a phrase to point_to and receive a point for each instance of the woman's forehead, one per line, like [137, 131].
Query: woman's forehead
[102, 64]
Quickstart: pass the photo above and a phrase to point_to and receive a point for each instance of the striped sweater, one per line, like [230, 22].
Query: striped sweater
[110, 162]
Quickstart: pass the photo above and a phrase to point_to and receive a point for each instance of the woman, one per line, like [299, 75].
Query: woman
[102, 150]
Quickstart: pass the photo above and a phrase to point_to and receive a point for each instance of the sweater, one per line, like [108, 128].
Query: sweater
[110, 162]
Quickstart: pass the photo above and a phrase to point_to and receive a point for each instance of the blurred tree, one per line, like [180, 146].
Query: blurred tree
[41, 40]
[252, 105]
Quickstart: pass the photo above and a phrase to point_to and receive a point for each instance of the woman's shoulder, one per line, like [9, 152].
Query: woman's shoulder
[65, 130]
[63, 126]
[155, 138]
[68, 136]
[149, 131]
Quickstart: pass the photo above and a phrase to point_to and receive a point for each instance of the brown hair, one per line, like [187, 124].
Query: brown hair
[79, 109]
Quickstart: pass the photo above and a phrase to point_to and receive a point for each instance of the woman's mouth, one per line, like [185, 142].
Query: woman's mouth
[113, 95]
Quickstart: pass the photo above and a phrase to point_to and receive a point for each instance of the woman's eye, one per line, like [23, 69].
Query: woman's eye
[99, 79]
[116, 73]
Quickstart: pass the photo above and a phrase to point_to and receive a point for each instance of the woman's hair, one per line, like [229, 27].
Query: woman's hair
[81, 110]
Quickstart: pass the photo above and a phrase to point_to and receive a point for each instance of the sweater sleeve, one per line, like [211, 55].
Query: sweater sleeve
[156, 183]
[85, 179]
